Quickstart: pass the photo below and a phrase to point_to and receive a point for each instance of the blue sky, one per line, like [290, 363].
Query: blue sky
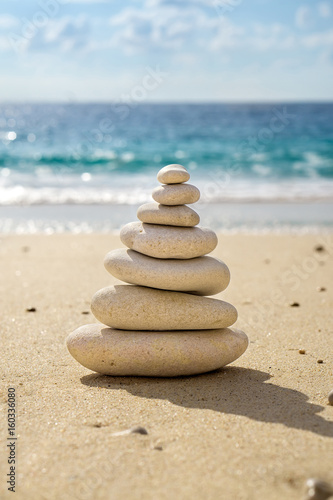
[166, 50]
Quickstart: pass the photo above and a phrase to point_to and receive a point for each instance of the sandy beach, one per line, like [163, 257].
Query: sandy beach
[196, 120]
[255, 430]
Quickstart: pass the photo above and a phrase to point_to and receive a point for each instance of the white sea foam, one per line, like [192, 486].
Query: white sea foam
[258, 156]
[105, 154]
[46, 188]
[261, 169]
[316, 160]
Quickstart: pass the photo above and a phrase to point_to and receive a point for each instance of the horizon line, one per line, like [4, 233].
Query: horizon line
[168, 102]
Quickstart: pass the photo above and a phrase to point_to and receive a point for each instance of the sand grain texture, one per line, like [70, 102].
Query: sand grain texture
[254, 430]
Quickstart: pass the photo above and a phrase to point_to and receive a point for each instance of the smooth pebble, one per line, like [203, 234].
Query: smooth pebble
[201, 275]
[131, 307]
[154, 354]
[176, 194]
[173, 174]
[176, 215]
[168, 242]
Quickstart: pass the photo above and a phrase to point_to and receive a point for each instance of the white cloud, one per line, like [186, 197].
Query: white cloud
[7, 21]
[63, 34]
[271, 36]
[4, 44]
[271, 42]
[227, 35]
[303, 17]
[324, 9]
[170, 27]
[321, 39]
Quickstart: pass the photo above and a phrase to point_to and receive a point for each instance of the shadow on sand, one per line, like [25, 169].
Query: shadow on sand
[232, 390]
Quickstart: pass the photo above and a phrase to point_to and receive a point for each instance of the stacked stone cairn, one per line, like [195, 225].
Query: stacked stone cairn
[162, 324]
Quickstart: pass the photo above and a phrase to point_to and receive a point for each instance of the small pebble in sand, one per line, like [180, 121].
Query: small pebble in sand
[138, 430]
[294, 304]
[330, 398]
[320, 361]
[321, 289]
[85, 312]
[301, 351]
[318, 490]
[319, 248]
[31, 310]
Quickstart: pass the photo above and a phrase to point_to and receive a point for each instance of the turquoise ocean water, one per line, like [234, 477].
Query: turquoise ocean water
[86, 167]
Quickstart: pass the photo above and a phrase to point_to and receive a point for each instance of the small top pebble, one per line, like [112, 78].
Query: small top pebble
[173, 174]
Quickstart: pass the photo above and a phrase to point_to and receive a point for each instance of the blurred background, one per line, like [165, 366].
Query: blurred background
[97, 96]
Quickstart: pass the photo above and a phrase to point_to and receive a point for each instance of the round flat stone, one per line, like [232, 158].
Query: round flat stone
[130, 307]
[176, 194]
[177, 215]
[154, 354]
[173, 174]
[168, 242]
[200, 276]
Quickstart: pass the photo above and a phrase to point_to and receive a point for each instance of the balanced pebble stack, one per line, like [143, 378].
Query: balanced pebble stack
[161, 323]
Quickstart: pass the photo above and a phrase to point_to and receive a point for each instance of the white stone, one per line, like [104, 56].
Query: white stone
[177, 215]
[154, 354]
[173, 174]
[201, 276]
[130, 307]
[168, 242]
[176, 194]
